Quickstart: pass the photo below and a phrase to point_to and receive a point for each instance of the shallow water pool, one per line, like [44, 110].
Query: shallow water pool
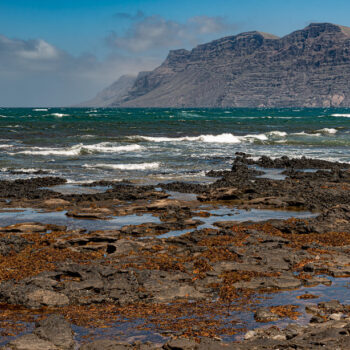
[20, 215]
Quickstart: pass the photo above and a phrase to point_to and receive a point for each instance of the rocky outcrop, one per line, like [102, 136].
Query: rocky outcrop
[309, 67]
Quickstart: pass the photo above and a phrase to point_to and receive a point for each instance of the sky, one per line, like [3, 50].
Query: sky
[60, 53]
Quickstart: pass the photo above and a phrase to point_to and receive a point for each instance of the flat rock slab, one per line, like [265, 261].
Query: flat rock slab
[98, 214]
[41, 297]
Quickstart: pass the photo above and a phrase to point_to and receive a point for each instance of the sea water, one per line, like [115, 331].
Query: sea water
[161, 145]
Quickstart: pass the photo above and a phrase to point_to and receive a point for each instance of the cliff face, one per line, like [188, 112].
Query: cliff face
[309, 67]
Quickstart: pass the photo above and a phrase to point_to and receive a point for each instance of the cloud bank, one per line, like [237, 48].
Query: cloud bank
[36, 73]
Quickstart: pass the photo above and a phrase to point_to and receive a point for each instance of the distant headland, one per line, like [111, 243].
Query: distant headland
[307, 68]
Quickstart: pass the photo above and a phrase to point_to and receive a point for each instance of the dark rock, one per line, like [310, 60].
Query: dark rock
[265, 315]
[56, 330]
[52, 333]
[12, 244]
[106, 345]
[180, 344]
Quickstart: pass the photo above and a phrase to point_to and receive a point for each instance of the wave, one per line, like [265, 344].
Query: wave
[42, 151]
[107, 147]
[26, 170]
[222, 138]
[277, 133]
[303, 133]
[40, 109]
[261, 137]
[328, 131]
[80, 149]
[344, 115]
[140, 166]
[59, 115]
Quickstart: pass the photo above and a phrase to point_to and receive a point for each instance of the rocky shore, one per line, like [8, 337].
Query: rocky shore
[181, 270]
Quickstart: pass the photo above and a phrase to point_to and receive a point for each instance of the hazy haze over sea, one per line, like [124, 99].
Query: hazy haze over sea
[156, 145]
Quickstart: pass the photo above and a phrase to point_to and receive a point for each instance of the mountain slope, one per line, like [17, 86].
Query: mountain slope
[112, 93]
[309, 67]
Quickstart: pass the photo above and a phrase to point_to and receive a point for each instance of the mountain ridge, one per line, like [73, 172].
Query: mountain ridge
[306, 68]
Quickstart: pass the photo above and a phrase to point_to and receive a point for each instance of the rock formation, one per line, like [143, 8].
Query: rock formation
[307, 68]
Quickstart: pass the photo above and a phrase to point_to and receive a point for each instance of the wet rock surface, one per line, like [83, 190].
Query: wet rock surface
[170, 286]
[332, 331]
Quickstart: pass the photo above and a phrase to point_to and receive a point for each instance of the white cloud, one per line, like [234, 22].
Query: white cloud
[40, 50]
[147, 33]
[36, 73]
[210, 25]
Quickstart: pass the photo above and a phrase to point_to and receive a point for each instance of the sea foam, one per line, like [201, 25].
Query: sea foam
[344, 115]
[222, 138]
[277, 133]
[76, 150]
[328, 131]
[59, 115]
[140, 166]
[107, 147]
[303, 133]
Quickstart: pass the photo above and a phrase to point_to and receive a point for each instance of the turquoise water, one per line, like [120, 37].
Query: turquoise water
[157, 145]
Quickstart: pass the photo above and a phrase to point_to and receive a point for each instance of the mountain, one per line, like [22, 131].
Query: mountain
[307, 68]
[112, 93]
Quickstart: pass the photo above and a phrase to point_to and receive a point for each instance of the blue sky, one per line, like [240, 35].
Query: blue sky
[62, 52]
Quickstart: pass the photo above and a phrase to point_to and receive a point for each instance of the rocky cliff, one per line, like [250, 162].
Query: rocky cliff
[309, 67]
[117, 91]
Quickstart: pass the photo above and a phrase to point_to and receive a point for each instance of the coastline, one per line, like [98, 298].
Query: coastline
[181, 264]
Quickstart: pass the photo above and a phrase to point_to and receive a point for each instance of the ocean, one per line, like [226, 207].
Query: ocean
[161, 145]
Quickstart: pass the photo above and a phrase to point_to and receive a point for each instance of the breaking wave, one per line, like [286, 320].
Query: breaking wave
[328, 131]
[344, 115]
[59, 115]
[278, 133]
[303, 133]
[140, 166]
[104, 147]
[222, 138]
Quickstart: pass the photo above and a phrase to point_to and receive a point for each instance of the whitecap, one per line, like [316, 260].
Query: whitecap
[140, 166]
[303, 133]
[261, 137]
[107, 147]
[76, 150]
[59, 115]
[40, 109]
[222, 138]
[328, 131]
[344, 115]
[277, 133]
[42, 151]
